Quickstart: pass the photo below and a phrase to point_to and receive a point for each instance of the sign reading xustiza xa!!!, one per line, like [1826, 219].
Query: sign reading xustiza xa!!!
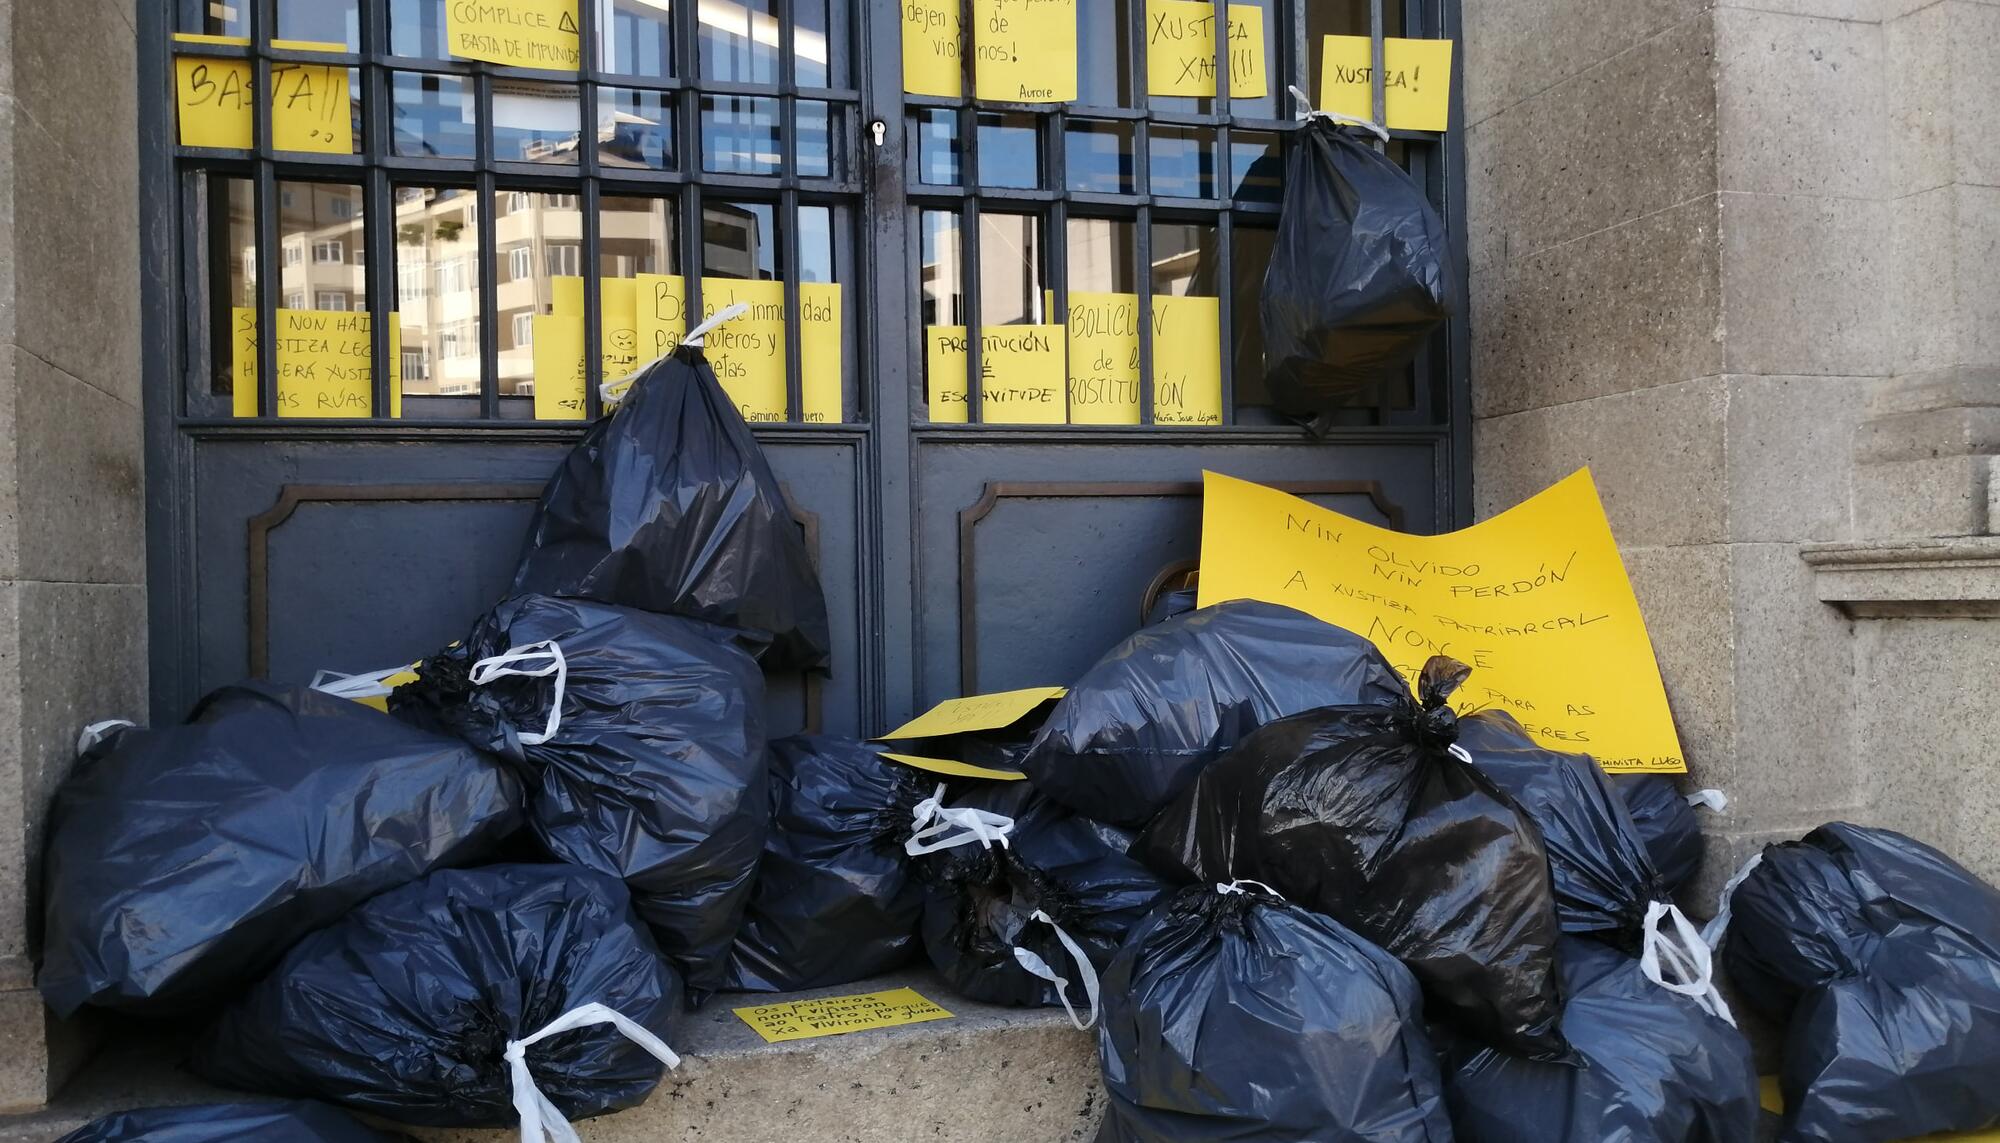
[1535, 600]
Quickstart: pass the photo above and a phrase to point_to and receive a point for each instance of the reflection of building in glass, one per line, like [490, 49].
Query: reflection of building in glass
[322, 252]
[437, 289]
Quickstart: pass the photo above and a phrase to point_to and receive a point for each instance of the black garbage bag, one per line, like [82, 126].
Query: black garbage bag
[183, 860]
[1883, 956]
[1655, 1068]
[655, 770]
[1667, 823]
[1033, 921]
[836, 898]
[1138, 727]
[300, 1121]
[668, 505]
[1360, 276]
[1367, 814]
[1230, 1015]
[406, 1008]
[1172, 603]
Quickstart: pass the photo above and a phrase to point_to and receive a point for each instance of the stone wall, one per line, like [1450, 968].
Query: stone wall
[1741, 261]
[72, 525]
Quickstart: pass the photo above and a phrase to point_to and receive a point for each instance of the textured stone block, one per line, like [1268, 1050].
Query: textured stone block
[1799, 104]
[1790, 442]
[81, 473]
[1627, 308]
[1945, 496]
[1524, 46]
[1802, 285]
[1974, 30]
[1922, 101]
[24, 1059]
[1680, 590]
[1954, 387]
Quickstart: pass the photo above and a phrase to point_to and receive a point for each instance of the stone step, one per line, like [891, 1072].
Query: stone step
[997, 1075]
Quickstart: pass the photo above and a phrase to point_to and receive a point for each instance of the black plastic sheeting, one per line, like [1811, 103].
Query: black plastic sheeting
[1884, 956]
[669, 505]
[297, 1122]
[1237, 1017]
[1360, 276]
[836, 898]
[1138, 727]
[183, 860]
[405, 1008]
[1655, 1068]
[979, 903]
[1364, 814]
[1670, 827]
[658, 771]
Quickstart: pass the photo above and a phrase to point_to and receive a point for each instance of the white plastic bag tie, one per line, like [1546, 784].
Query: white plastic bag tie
[1237, 886]
[1681, 961]
[97, 732]
[1086, 972]
[550, 655]
[614, 391]
[541, 1121]
[932, 823]
[1306, 112]
[1718, 928]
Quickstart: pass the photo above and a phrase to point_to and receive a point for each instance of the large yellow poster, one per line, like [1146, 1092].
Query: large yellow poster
[312, 107]
[1535, 600]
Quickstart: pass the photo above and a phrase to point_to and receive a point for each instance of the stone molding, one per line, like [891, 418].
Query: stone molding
[1950, 578]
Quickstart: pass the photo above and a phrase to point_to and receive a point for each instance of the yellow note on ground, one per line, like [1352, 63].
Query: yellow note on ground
[748, 353]
[1180, 49]
[518, 33]
[821, 364]
[1024, 50]
[1021, 375]
[1103, 358]
[326, 365]
[312, 107]
[560, 379]
[948, 768]
[1187, 361]
[839, 1015]
[980, 712]
[1416, 81]
[1535, 600]
[931, 48]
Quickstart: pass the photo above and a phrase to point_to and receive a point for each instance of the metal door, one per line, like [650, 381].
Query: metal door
[754, 141]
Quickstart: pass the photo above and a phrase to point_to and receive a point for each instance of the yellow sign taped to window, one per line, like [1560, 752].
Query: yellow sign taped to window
[559, 374]
[932, 48]
[1535, 600]
[326, 364]
[1416, 81]
[661, 308]
[518, 33]
[979, 712]
[1187, 361]
[312, 107]
[1180, 49]
[748, 353]
[821, 334]
[839, 1015]
[1024, 51]
[1104, 360]
[1021, 375]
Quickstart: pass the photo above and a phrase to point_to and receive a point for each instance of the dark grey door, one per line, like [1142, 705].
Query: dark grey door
[448, 289]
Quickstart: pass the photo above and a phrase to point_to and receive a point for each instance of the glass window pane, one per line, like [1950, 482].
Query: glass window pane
[324, 363]
[941, 297]
[539, 304]
[635, 129]
[1250, 256]
[437, 290]
[435, 118]
[229, 262]
[1187, 325]
[209, 18]
[535, 122]
[321, 21]
[1183, 162]
[1010, 270]
[1104, 53]
[1103, 256]
[937, 147]
[820, 151]
[638, 37]
[822, 317]
[1342, 18]
[1265, 106]
[1099, 157]
[739, 135]
[1103, 322]
[819, 61]
[739, 265]
[1256, 168]
[1008, 156]
[738, 41]
[416, 28]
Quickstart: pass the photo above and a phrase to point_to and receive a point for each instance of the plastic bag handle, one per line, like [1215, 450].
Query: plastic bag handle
[932, 819]
[1237, 886]
[1306, 113]
[542, 1121]
[1684, 955]
[490, 670]
[1087, 973]
[1718, 927]
[614, 390]
[97, 732]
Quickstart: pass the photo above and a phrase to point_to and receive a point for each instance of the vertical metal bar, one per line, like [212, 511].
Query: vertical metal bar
[269, 264]
[1142, 182]
[1143, 251]
[1299, 59]
[787, 210]
[590, 202]
[968, 238]
[485, 264]
[1055, 242]
[1225, 302]
[693, 149]
[1375, 64]
[379, 214]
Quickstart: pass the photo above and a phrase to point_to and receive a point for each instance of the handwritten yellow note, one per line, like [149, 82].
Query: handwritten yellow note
[519, 33]
[839, 1015]
[821, 332]
[1535, 600]
[1024, 50]
[661, 307]
[1103, 358]
[1187, 361]
[946, 767]
[1180, 49]
[312, 107]
[1021, 374]
[931, 48]
[326, 365]
[560, 380]
[1416, 81]
[979, 712]
[618, 318]
[748, 353]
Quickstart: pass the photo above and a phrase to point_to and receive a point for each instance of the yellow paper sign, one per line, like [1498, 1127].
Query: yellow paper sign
[1103, 358]
[1180, 49]
[618, 319]
[952, 769]
[326, 364]
[1187, 361]
[560, 381]
[839, 1015]
[1535, 600]
[821, 331]
[931, 47]
[979, 712]
[312, 107]
[1416, 81]
[519, 33]
[1024, 50]
[748, 353]
[1021, 375]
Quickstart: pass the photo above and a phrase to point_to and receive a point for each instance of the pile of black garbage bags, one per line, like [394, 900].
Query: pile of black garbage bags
[1294, 897]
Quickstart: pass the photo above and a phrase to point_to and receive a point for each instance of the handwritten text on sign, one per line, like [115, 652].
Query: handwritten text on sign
[931, 47]
[1416, 81]
[518, 33]
[1024, 50]
[1104, 360]
[326, 365]
[837, 1015]
[1180, 49]
[1535, 600]
[1020, 375]
[312, 107]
